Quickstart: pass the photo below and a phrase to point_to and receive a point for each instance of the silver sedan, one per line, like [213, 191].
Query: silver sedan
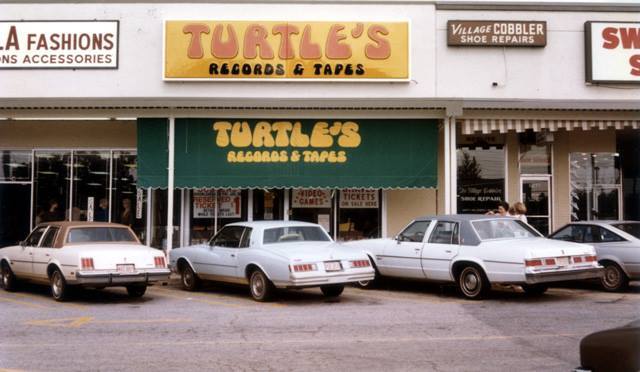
[617, 244]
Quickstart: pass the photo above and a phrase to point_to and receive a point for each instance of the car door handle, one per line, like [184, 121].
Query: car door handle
[48, 255]
[417, 249]
[233, 255]
[30, 254]
[448, 251]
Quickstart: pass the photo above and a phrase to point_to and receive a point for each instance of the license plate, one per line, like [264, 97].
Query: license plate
[332, 266]
[562, 261]
[126, 268]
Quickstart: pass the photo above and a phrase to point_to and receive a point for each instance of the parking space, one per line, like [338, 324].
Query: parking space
[400, 326]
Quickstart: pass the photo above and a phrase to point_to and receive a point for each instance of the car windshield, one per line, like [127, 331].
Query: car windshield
[295, 234]
[99, 234]
[503, 229]
[629, 228]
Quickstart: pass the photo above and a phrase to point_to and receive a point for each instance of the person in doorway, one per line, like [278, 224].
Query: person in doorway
[518, 211]
[53, 213]
[102, 214]
[126, 217]
[502, 210]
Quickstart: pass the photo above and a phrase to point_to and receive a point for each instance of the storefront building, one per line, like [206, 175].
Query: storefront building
[177, 119]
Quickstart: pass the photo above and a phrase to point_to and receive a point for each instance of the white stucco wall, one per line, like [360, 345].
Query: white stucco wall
[555, 72]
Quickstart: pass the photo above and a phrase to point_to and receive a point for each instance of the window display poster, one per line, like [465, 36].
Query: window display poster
[311, 198]
[324, 220]
[204, 203]
[229, 203]
[359, 198]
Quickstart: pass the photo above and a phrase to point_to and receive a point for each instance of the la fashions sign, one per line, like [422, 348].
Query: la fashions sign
[272, 50]
[612, 52]
[497, 33]
[58, 44]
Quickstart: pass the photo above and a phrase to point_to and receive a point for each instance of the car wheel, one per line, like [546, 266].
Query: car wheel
[614, 279]
[136, 291]
[370, 284]
[472, 283]
[534, 289]
[261, 287]
[190, 280]
[59, 288]
[332, 290]
[8, 278]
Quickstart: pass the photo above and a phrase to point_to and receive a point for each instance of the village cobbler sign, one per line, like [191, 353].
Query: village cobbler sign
[272, 50]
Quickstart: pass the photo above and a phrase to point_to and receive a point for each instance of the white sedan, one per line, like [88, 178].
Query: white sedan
[88, 254]
[475, 251]
[272, 254]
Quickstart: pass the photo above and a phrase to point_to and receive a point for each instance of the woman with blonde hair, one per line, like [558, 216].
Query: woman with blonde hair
[518, 211]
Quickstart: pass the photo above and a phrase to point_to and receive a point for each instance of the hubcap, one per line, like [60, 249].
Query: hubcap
[471, 282]
[257, 286]
[187, 278]
[57, 284]
[364, 283]
[611, 276]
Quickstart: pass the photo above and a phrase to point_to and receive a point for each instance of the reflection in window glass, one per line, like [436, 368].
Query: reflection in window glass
[630, 228]
[359, 214]
[595, 186]
[15, 212]
[535, 159]
[503, 228]
[480, 178]
[268, 204]
[414, 232]
[51, 185]
[15, 165]
[90, 184]
[159, 218]
[125, 193]
[294, 234]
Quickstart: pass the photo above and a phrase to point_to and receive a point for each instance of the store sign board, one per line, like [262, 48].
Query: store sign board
[359, 198]
[234, 153]
[311, 198]
[281, 50]
[204, 203]
[58, 44]
[497, 33]
[612, 52]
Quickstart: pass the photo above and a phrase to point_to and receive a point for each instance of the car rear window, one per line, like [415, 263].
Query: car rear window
[294, 234]
[503, 229]
[99, 234]
[629, 228]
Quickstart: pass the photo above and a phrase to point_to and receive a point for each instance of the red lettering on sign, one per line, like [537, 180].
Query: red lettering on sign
[610, 37]
[630, 38]
[634, 61]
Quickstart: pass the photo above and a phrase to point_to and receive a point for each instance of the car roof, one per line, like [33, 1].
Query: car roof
[272, 223]
[601, 222]
[69, 224]
[462, 217]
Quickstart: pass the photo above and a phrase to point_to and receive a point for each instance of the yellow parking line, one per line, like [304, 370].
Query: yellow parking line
[51, 301]
[24, 303]
[141, 321]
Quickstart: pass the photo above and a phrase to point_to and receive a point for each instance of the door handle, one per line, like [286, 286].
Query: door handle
[417, 249]
[48, 255]
[30, 254]
[448, 251]
[233, 255]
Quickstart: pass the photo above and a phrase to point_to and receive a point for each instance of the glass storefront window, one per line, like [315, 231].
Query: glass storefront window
[213, 209]
[535, 159]
[359, 214]
[313, 205]
[15, 166]
[595, 186]
[159, 218]
[481, 181]
[268, 204]
[128, 203]
[51, 185]
[90, 186]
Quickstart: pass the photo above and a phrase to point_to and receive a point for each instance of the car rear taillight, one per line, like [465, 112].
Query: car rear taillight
[86, 263]
[536, 262]
[590, 258]
[159, 261]
[549, 261]
[577, 259]
[360, 263]
[303, 267]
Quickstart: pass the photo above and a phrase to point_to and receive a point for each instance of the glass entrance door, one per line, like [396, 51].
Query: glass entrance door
[535, 193]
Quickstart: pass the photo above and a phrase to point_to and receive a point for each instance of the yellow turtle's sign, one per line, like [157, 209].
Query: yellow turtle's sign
[214, 50]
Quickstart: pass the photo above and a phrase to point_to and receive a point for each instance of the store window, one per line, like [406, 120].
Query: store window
[359, 214]
[268, 204]
[313, 205]
[128, 202]
[595, 186]
[52, 185]
[15, 195]
[535, 159]
[90, 185]
[481, 173]
[212, 209]
[159, 218]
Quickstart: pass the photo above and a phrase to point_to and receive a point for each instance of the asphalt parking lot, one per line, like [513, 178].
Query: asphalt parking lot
[401, 326]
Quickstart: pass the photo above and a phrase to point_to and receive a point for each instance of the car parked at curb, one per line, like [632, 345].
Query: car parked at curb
[617, 244]
[87, 254]
[271, 254]
[476, 251]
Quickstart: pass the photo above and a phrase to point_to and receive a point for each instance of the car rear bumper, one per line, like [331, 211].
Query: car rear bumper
[326, 279]
[114, 278]
[562, 276]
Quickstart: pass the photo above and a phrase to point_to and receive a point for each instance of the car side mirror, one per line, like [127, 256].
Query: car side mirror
[398, 238]
[23, 243]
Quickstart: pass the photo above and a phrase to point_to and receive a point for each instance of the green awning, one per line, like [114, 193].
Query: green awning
[286, 153]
